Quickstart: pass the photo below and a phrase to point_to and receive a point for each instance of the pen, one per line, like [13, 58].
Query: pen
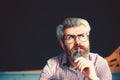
[78, 53]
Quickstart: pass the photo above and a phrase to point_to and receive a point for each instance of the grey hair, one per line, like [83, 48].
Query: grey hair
[71, 22]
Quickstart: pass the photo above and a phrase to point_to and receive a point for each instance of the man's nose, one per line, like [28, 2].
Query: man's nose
[77, 40]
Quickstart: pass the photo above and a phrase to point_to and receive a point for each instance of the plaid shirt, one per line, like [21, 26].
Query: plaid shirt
[59, 68]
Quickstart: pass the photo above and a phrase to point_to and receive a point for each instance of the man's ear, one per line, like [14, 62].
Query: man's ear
[62, 44]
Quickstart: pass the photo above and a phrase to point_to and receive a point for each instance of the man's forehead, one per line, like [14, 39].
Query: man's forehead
[76, 30]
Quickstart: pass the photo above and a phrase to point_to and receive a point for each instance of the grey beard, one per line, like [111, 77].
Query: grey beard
[75, 56]
[85, 55]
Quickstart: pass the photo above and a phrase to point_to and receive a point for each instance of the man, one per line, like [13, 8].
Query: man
[76, 62]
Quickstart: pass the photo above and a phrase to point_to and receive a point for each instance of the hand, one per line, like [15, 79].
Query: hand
[86, 67]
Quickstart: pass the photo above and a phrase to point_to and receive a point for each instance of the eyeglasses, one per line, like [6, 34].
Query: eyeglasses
[71, 38]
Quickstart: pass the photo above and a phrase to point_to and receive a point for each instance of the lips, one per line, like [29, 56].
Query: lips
[76, 49]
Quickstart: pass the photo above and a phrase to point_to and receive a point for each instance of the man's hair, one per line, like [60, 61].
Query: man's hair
[71, 22]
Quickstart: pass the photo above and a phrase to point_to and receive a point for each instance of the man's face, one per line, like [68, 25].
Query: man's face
[76, 38]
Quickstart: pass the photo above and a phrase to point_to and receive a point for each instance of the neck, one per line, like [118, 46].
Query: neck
[72, 62]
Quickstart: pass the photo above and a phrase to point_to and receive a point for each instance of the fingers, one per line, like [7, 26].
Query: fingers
[85, 66]
[82, 64]
[80, 58]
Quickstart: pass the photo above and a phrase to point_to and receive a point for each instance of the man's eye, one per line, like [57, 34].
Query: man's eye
[81, 35]
[70, 37]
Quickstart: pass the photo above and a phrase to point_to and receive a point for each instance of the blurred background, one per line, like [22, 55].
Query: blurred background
[28, 29]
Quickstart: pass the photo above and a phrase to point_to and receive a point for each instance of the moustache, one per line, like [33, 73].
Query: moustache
[77, 47]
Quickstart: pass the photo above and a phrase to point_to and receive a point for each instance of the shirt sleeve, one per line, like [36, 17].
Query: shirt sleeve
[103, 70]
[48, 70]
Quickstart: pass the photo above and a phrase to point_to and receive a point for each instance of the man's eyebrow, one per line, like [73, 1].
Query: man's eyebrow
[69, 35]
